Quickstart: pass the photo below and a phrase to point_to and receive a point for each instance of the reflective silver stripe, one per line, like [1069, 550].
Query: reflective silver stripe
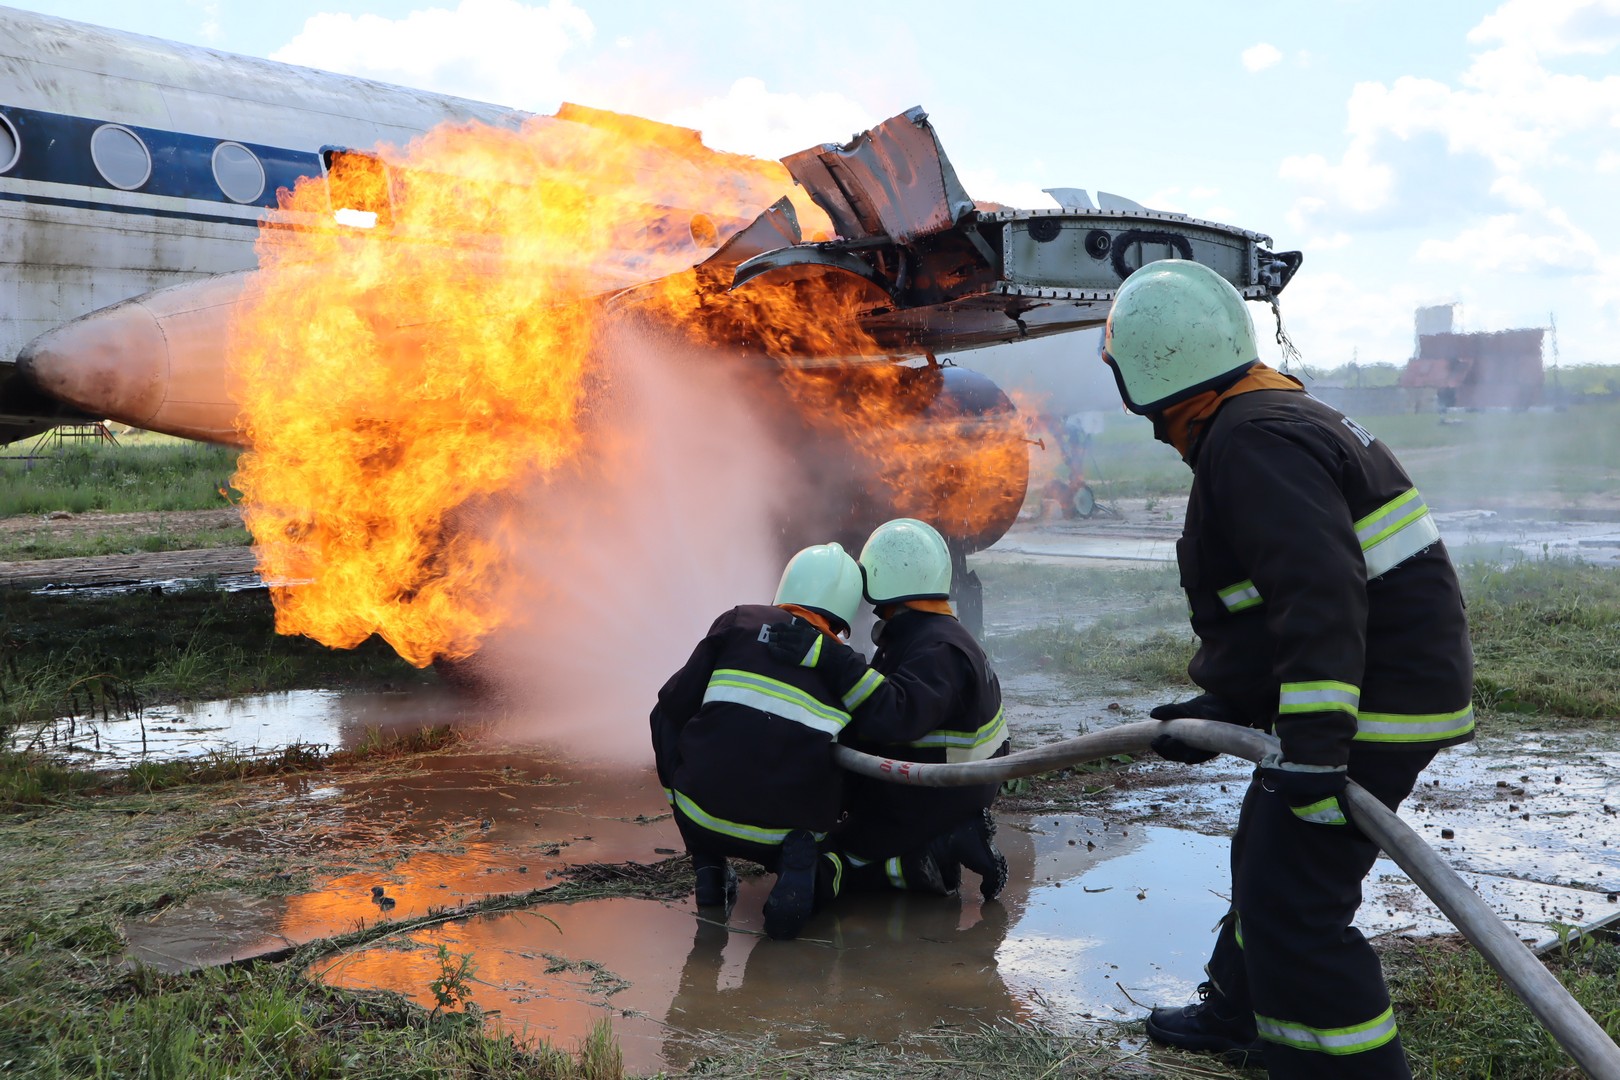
[776, 698]
[1324, 695]
[1240, 596]
[1413, 727]
[752, 833]
[862, 689]
[1395, 532]
[897, 876]
[968, 745]
[1388, 537]
[1337, 1041]
[1325, 812]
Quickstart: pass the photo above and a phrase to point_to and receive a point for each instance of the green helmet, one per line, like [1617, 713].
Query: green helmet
[824, 579]
[906, 559]
[1177, 328]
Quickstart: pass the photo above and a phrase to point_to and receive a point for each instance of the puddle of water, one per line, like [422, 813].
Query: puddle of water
[1098, 923]
[1103, 909]
[257, 723]
[453, 830]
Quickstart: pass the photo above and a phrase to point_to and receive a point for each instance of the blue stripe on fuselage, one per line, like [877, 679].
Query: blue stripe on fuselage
[55, 148]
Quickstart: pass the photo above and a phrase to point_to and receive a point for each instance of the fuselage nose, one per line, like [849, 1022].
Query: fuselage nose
[158, 362]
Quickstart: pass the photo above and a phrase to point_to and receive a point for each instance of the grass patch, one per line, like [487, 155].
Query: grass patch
[144, 472]
[65, 655]
[260, 1021]
[86, 542]
[1458, 1018]
[1545, 635]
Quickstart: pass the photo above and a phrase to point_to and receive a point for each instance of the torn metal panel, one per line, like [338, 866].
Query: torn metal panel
[893, 181]
[959, 277]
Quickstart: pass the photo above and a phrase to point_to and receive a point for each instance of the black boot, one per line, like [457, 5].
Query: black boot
[973, 844]
[950, 867]
[716, 881]
[793, 897]
[1211, 1025]
[920, 872]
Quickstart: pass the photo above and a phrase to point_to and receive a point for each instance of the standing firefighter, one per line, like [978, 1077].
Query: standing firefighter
[743, 744]
[1326, 609]
[929, 695]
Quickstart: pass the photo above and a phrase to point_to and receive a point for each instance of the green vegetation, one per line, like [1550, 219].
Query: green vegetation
[85, 539]
[1546, 637]
[1458, 1018]
[1545, 633]
[1460, 458]
[143, 472]
[64, 655]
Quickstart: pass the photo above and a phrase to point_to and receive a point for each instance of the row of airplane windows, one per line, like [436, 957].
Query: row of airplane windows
[124, 161]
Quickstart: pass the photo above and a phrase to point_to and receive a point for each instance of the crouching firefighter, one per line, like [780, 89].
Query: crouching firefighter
[743, 745]
[1327, 610]
[928, 695]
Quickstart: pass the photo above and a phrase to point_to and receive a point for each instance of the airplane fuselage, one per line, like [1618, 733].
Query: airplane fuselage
[129, 164]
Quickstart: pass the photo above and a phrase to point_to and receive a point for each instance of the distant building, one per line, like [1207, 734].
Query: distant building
[1501, 370]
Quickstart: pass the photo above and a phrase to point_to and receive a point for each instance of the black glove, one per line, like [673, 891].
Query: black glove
[1312, 794]
[793, 642]
[1202, 707]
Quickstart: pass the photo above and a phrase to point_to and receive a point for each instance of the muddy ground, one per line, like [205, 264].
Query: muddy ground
[564, 880]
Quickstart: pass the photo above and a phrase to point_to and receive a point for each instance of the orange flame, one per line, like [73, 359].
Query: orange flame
[401, 381]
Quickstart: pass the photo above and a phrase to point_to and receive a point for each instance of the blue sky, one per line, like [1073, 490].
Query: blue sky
[1417, 153]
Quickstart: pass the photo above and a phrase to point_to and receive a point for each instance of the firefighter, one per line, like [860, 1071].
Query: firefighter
[928, 695]
[1326, 610]
[743, 745]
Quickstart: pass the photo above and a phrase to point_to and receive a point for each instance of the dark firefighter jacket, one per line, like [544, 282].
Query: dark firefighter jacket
[743, 742]
[1324, 602]
[929, 695]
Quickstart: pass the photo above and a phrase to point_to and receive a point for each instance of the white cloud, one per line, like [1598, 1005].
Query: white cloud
[500, 51]
[1608, 161]
[1534, 242]
[1261, 56]
[1553, 27]
[1421, 149]
[988, 185]
[1332, 319]
[751, 119]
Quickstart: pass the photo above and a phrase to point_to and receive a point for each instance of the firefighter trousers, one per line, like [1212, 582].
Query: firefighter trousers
[1288, 952]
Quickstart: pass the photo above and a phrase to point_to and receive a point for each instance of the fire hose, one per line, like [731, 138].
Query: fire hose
[1580, 1035]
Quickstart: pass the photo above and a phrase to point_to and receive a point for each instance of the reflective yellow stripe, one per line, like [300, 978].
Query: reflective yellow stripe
[1337, 1041]
[753, 833]
[863, 689]
[1413, 727]
[968, 745]
[1324, 695]
[1395, 532]
[1324, 812]
[897, 876]
[838, 870]
[813, 657]
[669, 796]
[1240, 596]
[1388, 537]
[774, 697]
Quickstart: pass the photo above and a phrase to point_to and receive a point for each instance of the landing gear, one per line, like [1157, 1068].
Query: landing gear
[968, 592]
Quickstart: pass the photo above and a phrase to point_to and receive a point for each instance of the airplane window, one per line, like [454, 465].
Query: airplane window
[237, 172]
[120, 156]
[10, 145]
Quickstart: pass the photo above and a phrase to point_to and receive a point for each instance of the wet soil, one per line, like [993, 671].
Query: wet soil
[1097, 855]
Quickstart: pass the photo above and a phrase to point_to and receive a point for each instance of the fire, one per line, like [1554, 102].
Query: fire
[401, 380]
